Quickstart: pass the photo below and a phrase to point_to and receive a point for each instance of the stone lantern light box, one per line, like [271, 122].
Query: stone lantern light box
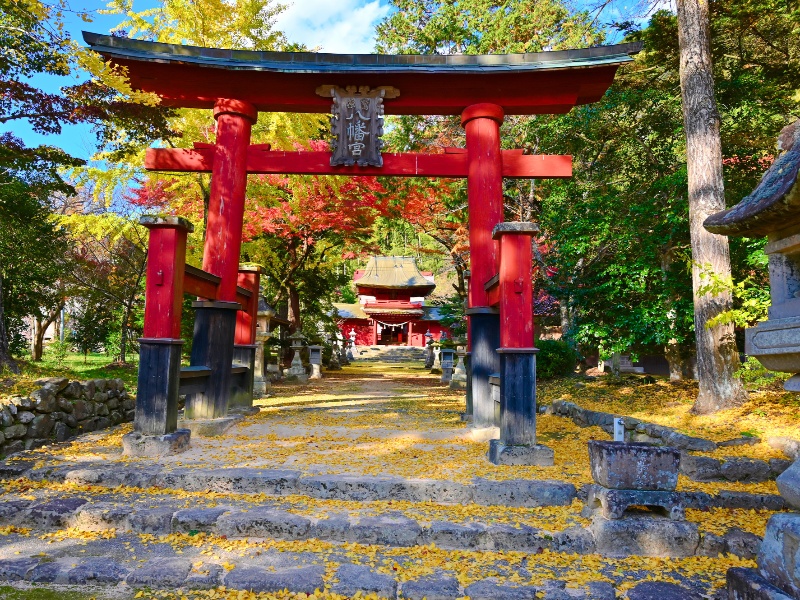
[773, 210]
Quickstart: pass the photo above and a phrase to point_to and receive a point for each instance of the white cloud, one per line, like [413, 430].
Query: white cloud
[341, 26]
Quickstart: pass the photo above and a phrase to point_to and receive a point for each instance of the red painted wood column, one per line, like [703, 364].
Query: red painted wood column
[246, 320]
[228, 186]
[160, 349]
[485, 200]
[484, 193]
[166, 261]
[516, 283]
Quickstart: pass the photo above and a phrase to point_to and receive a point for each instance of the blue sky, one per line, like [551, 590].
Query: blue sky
[324, 25]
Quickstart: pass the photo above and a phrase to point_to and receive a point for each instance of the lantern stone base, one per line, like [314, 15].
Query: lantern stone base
[154, 446]
[613, 504]
[210, 427]
[316, 372]
[535, 455]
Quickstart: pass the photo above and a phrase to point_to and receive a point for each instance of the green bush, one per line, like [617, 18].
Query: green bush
[556, 358]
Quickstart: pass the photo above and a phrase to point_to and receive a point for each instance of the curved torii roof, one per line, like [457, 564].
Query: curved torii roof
[523, 84]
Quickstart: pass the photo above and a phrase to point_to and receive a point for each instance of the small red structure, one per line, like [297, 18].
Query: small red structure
[390, 310]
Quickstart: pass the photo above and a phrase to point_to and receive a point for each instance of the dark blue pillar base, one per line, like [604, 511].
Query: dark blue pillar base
[485, 329]
[157, 387]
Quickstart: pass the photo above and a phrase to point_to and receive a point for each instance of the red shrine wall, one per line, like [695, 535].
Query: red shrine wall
[364, 332]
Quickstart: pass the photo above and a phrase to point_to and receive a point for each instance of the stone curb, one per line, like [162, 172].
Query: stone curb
[696, 468]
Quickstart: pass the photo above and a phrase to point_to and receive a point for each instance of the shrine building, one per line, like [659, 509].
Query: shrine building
[390, 310]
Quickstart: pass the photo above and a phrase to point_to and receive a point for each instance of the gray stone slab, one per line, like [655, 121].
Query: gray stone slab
[113, 476]
[210, 427]
[779, 556]
[491, 590]
[351, 487]
[748, 584]
[101, 516]
[160, 573]
[353, 579]
[151, 520]
[523, 538]
[264, 522]
[97, 570]
[235, 480]
[523, 493]
[197, 519]
[302, 580]
[613, 504]
[742, 543]
[334, 528]
[15, 569]
[661, 590]
[457, 536]
[536, 455]
[53, 513]
[726, 499]
[700, 468]
[47, 572]
[573, 540]
[155, 446]
[644, 536]
[601, 590]
[205, 577]
[747, 470]
[789, 485]
[434, 587]
[436, 490]
[390, 530]
[13, 509]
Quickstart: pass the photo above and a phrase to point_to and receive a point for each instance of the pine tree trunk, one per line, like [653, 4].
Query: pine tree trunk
[6, 361]
[293, 316]
[717, 358]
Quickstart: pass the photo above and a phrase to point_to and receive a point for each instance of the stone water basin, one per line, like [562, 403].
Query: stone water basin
[634, 465]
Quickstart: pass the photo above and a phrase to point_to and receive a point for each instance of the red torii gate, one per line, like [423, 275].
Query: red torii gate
[238, 84]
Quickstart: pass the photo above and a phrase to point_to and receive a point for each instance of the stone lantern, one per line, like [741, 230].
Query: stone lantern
[296, 369]
[334, 364]
[459, 379]
[773, 210]
[429, 350]
[261, 383]
[447, 355]
[342, 346]
[351, 348]
[315, 358]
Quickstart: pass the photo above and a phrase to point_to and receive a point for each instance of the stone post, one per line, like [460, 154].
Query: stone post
[296, 369]
[447, 356]
[315, 358]
[334, 363]
[429, 357]
[261, 383]
[436, 367]
[342, 349]
[459, 379]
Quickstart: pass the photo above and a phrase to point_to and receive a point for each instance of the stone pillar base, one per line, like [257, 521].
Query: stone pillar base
[748, 584]
[261, 387]
[210, 427]
[157, 388]
[612, 503]
[242, 384]
[316, 372]
[466, 417]
[155, 446]
[536, 455]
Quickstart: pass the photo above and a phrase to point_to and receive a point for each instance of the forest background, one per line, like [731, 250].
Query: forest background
[614, 256]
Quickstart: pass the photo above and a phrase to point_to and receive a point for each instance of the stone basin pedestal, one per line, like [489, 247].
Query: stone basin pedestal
[634, 465]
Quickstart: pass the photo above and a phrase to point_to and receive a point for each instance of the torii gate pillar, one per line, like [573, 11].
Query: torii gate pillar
[485, 199]
[215, 322]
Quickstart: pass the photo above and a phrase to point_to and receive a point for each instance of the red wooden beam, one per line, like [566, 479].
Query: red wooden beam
[452, 164]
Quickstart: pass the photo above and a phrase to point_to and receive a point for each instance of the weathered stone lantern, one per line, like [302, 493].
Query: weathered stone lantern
[296, 369]
[261, 383]
[773, 210]
[315, 358]
[429, 349]
[351, 347]
[447, 356]
[459, 379]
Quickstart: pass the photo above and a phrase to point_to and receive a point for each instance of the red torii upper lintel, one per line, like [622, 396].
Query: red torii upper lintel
[451, 164]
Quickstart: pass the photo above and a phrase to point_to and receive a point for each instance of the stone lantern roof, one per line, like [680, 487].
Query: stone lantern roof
[775, 204]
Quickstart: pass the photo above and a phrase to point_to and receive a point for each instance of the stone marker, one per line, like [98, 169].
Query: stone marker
[315, 358]
[296, 369]
[459, 379]
[446, 356]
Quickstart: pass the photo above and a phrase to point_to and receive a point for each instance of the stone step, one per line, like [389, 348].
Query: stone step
[512, 492]
[345, 579]
[526, 493]
[635, 535]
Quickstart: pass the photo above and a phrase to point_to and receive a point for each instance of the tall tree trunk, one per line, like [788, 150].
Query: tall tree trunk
[6, 361]
[293, 315]
[717, 358]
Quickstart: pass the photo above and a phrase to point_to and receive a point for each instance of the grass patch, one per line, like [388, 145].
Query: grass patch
[8, 592]
[74, 366]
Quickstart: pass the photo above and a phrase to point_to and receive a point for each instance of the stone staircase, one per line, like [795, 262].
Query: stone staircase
[391, 354]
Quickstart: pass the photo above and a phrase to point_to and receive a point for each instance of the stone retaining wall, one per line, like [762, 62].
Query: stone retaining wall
[61, 409]
[696, 468]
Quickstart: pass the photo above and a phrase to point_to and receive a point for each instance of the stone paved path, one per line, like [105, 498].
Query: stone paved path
[365, 482]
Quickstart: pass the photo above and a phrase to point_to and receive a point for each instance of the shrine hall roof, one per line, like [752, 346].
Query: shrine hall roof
[393, 272]
[533, 83]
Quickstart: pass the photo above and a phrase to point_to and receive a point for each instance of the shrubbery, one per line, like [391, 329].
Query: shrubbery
[556, 358]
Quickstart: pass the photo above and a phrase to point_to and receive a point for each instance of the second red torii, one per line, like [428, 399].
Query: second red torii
[451, 164]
